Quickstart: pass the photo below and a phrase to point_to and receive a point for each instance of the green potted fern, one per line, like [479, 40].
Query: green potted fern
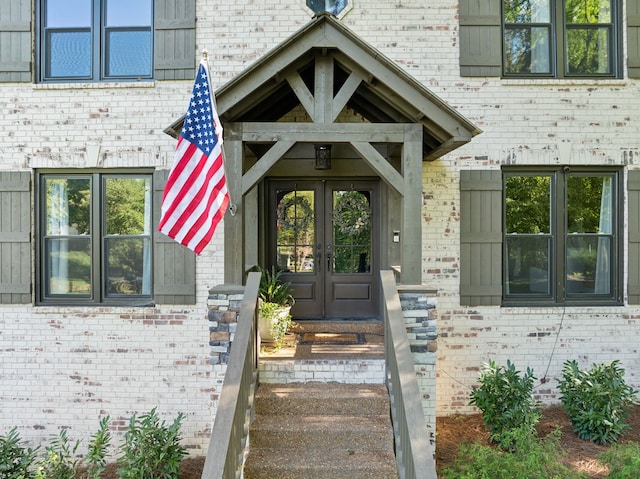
[275, 302]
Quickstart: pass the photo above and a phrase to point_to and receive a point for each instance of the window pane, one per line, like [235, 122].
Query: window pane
[68, 13]
[588, 265]
[527, 11]
[128, 266]
[127, 13]
[128, 206]
[68, 266]
[527, 50]
[68, 208]
[588, 11]
[295, 235]
[588, 50]
[129, 53]
[528, 204]
[67, 248]
[351, 231]
[589, 204]
[68, 54]
[528, 266]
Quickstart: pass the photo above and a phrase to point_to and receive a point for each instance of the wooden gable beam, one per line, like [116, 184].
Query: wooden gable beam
[323, 89]
[260, 169]
[344, 95]
[302, 92]
[380, 165]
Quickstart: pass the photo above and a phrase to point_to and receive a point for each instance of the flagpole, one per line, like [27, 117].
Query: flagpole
[205, 59]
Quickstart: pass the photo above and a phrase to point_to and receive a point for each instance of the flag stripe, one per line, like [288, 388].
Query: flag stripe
[202, 198]
[195, 196]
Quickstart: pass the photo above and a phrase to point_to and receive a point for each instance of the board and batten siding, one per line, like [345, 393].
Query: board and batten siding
[174, 266]
[15, 41]
[633, 198]
[15, 237]
[480, 237]
[175, 39]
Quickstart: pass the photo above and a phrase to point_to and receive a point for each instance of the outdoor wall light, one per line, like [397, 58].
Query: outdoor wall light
[323, 157]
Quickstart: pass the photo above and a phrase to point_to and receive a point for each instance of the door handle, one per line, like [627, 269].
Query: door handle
[328, 262]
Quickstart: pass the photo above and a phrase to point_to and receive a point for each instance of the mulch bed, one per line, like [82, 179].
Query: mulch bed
[581, 455]
[453, 430]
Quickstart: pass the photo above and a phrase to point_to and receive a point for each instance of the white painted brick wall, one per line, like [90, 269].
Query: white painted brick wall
[67, 367]
[523, 123]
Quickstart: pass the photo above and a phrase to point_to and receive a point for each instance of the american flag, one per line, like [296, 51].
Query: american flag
[195, 197]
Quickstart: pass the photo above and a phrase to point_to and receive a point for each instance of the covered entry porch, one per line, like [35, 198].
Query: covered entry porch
[326, 86]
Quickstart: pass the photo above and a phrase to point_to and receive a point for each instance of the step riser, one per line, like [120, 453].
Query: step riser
[370, 371]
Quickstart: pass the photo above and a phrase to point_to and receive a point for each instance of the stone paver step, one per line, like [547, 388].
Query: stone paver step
[322, 432]
[339, 326]
[300, 399]
[264, 463]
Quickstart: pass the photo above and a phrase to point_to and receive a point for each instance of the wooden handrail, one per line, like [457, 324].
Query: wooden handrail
[414, 454]
[231, 426]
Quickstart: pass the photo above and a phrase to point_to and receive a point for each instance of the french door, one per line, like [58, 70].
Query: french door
[324, 235]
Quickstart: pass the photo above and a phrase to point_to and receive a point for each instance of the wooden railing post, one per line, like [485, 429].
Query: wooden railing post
[230, 428]
[414, 453]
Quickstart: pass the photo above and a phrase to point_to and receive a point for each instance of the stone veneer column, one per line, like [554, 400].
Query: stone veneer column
[224, 307]
[419, 309]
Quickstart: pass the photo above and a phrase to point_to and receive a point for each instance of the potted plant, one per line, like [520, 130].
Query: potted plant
[275, 301]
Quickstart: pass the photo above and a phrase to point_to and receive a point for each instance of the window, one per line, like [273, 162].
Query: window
[560, 38]
[95, 238]
[561, 236]
[332, 6]
[93, 40]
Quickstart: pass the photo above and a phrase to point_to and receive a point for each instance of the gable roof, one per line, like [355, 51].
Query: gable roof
[375, 87]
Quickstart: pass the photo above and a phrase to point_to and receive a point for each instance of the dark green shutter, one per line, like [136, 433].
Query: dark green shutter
[15, 237]
[633, 38]
[15, 41]
[175, 39]
[480, 38]
[174, 266]
[633, 195]
[480, 237]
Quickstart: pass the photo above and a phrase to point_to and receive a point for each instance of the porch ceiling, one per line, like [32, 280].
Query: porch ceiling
[376, 88]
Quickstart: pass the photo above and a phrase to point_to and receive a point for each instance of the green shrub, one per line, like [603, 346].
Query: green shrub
[151, 449]
[506, 401]
[96, 458]
[531, 458]
[59, 462]
[623, 461]
[15, 457]
[597, 401]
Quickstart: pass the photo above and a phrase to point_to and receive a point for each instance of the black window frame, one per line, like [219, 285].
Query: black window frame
[99, 46]
[98, 238]
[559, 296]
[558, 55]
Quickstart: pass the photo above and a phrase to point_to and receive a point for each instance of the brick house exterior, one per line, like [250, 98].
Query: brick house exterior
[65, 365]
